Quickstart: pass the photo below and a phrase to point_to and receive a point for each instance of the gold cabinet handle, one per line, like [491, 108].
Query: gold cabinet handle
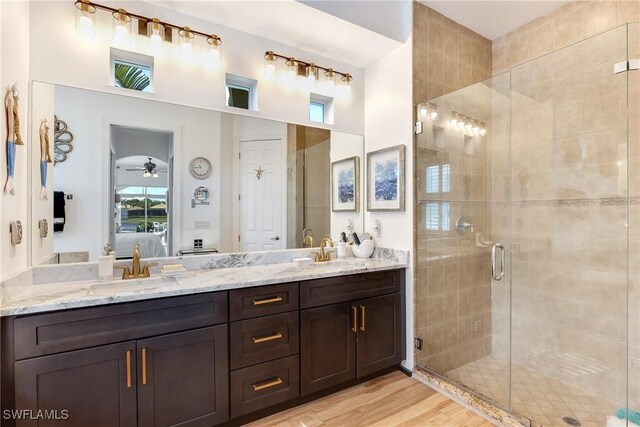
[144, 365]
[269, 383]
[354, 311]
[275, 336]
[362, 318]
[128, 368]
[267, 301]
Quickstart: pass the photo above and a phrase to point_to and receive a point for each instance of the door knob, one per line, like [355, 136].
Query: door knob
[275, 238]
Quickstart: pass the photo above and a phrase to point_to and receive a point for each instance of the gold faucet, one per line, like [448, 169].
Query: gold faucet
[308, 242]
[136, 274]
[324, 256]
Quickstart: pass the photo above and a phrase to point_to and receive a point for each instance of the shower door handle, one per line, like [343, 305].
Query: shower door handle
[497, 276]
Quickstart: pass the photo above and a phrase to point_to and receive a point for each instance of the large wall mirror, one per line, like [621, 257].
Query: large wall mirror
[176, 180]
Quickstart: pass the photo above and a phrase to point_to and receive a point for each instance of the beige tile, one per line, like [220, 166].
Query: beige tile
[435, 66]
[517, 51]
[540, 40]
[628, 11]
[435, 34]
[600, 16]
[568, 29]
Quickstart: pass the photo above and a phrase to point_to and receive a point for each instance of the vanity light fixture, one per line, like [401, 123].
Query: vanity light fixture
[85, 24]
[156, 30]
[428, 109]
[311, 71]
[121, 28]
[467, 124]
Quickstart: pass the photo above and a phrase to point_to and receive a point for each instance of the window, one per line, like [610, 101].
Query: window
[131, 70]
[316, 112]
[241, 93]
[438, 182]
[141, 209]
[320, 109]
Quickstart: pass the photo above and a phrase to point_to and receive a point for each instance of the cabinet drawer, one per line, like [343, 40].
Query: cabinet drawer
[263, 301]
[315, 293]
[259, 340]
[49, 333]
[264, 385]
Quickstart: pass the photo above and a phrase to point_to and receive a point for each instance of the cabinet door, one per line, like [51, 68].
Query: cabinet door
[183, 378]
[96, 387]
[327, 346]
[380, 340]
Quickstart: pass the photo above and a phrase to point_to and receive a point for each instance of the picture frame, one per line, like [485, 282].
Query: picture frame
[386, 180]
[345, 185]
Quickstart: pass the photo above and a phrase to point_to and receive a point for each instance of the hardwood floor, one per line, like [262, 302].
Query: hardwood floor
[391, 400]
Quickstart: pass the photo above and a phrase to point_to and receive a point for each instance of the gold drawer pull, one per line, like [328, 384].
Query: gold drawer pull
[128, 368]
[267, 301]
[275, 336]
[362, 318]
[354, 309]
[270, 383]
[144, 365]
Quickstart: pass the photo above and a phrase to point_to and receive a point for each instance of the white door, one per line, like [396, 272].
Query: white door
[261, 195]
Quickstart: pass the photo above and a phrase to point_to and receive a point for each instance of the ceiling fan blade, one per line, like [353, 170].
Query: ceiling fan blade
[135, 169]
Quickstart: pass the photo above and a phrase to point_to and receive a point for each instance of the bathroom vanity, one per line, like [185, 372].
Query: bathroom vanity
[222, 353]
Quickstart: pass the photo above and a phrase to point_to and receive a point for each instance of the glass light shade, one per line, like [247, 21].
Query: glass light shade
[476, 127]
[291, 72]
[270, 60]
[311, 72]
[329, 78]
[345, 86]
[185, 44]
[146, 174]
[434, 115]
[422, 110]
[483, 130]
[155, 32]
[85, 20]
[468, 125]
[213, 58]
[121, 28]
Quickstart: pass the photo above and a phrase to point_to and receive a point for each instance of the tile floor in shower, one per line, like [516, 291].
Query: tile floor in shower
[541, 399]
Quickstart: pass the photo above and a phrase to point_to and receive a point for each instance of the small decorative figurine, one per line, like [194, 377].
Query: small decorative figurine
[13, 137]
[45, 157]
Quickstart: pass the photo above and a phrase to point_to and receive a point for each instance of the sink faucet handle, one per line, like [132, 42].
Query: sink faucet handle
[145, 269]
[126, 273]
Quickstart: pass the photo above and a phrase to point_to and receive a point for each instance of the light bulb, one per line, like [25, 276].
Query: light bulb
[291, 72]
[155, 32]
[121, 28]
[467, 125]
[213, 51]
[453, 121]
[185, 44]
[330, 79]
[311, 73]
[475, 128]
[461, 123]
[434, 115]
[423, 110]
[483, 131]
[85, 24]
[270, 65]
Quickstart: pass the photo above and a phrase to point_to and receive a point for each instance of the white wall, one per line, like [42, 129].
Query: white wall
[388, 122]
[88, 115]
[60, 55]
[343, 146]
[14, 53]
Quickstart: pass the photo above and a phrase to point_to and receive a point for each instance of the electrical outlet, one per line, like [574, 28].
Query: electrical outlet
[635, 363]
[477, 326]
[202, 225]
[418, 343]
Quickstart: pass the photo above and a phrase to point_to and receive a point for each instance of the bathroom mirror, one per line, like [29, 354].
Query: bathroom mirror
[129, 181]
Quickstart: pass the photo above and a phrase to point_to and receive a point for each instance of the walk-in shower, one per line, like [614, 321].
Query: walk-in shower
[546, 326]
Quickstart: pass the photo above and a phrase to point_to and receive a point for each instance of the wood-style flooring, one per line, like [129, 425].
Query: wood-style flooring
[391, 400]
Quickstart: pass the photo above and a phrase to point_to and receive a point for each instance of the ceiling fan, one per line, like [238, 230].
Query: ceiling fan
[149, 170]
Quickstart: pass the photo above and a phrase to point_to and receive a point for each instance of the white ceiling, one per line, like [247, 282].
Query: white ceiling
[493, 19]
[294, 24]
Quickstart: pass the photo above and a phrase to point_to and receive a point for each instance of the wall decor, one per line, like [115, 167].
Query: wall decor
[200, 168]
[62, 141]
[45, 157]
[345, 185]
[385, 179]
[14, 137]
[15, 231]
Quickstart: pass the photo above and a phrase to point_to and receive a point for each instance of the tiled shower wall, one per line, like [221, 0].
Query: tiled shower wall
[452, 289]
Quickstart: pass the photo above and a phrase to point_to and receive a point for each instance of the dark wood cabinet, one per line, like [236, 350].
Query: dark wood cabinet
[328, 346]
[204, 359]
[183, 378]
[96, 386]
[380, 335]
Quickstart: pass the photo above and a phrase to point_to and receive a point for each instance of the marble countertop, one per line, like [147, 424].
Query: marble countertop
[37, 298]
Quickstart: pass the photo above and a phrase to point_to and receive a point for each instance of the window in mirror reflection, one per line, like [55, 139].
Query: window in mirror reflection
[132, 76]
[142, 210]
[438, 216]
[238, 96]
[438, 181]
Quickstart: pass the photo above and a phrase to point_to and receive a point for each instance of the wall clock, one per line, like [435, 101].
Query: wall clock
[200, 168]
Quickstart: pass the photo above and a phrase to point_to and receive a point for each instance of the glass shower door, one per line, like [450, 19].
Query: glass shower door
[570, 204]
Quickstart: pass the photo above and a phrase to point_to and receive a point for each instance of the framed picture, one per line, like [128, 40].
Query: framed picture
[385, 179]
[345, 185]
